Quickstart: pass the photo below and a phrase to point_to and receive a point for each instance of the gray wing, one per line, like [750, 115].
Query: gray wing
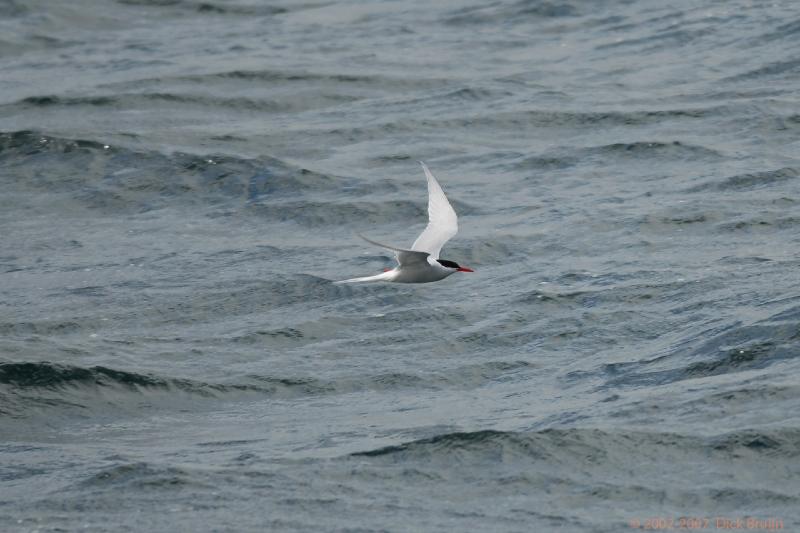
[404, 257]
[442, 219]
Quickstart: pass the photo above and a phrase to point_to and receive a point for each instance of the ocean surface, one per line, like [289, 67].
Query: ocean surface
[181, 180]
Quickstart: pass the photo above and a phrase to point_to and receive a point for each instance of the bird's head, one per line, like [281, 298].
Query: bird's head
[453, 265]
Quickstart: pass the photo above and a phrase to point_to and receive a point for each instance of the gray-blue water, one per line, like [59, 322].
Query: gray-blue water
[180, 180]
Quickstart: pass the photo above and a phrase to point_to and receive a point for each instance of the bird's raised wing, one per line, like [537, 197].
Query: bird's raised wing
[442, 219]
[404, 257]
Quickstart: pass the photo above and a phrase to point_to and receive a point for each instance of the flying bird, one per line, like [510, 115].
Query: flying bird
[421, 264]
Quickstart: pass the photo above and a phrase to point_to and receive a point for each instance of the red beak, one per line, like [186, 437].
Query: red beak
[464, 269]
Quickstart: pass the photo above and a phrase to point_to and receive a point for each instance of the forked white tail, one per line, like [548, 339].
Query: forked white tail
[383, 276]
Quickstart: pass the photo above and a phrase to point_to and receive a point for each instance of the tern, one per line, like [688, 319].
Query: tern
[421, 264]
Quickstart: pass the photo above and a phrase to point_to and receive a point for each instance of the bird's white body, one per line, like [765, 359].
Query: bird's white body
[409, 274]
[421, 264]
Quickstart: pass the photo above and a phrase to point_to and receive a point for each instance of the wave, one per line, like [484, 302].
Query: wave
[43, 327]
[778, 69]
[323, 84]
[728, 349]
[321, 214]
[766, 221]
[46, 375]
[35, 388]
[211, 8]
[52, 100]
[13, 8]
[748, 181]
[647, 151]
[654, 149]
[149, 99]
[637, 294]
[517, 11]
[114, 178]
[588, 446]
[31, 388]
[142, 476]
[577, 118]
